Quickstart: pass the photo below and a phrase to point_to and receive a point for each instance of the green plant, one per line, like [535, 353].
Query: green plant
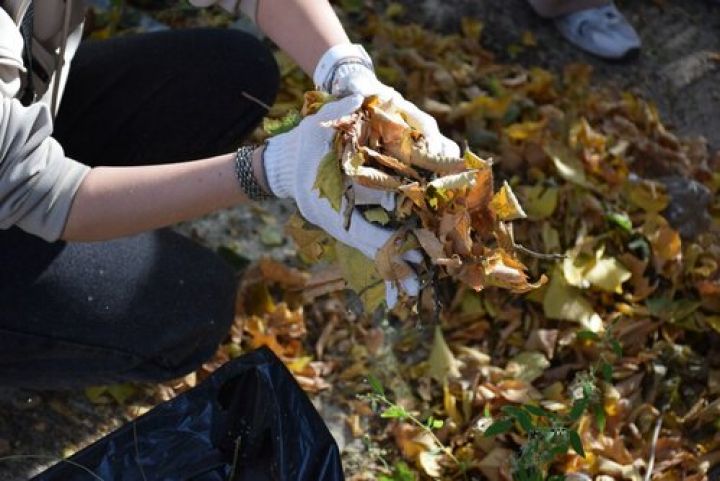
[400, 472]
[551, 435]
[390, 410]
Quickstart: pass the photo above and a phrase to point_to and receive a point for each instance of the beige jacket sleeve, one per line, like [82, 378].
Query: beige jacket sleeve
[37, 182]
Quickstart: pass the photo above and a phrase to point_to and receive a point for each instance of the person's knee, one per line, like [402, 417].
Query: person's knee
[197, 308]
[198, 336]
[188, 355]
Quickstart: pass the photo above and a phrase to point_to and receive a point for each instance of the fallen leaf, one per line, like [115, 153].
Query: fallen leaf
[566, 303]
[567, 164]
[442, 363]
[527, 366]
[361, 276]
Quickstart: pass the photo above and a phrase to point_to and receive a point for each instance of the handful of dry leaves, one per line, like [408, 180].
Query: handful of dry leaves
[445, 207]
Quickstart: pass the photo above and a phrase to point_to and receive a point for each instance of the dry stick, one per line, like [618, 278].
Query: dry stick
[539, 255]
[16, 457]
[252, 98]
[653, 445]
[137, 451]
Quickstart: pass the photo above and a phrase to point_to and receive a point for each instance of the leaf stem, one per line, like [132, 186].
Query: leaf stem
[422, 426]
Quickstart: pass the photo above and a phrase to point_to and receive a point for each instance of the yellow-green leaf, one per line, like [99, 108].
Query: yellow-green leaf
[361, 275]
[283, 124]
[540, 201]
[377, 215]
[442, 363]
[329, 181]
[527, 366]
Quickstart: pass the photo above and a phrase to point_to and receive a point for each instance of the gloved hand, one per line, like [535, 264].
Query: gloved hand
[291, 164]
[347, 69]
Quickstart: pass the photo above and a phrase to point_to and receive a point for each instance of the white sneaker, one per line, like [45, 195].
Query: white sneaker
[602, 31]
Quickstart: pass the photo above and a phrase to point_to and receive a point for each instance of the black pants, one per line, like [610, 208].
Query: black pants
[156, 305]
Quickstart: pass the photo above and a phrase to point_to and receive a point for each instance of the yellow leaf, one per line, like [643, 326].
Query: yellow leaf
[377, 215]
[361, 276]
[527, 366]
[665, 241]
[442, 363]
[524, 130]
[313, 101]
[311, 242]
[605, 273]
[297, 365]
[329, 181]
[608, 274]
[540, 201]
[485, 106]
[395, 9]
[648, 195]
[473, 161]
[501, 270]
[528, 39]
[713, 321]
[471, 28]
[566, 303]
[120, 393]
[96, 394]
[506, 205]
[567, 164]
[450, 405]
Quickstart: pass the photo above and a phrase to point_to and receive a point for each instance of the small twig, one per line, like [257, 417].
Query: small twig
[653, 446]
[252, 98]
[368, 287]
[15, 457]
[137, 451]
[538, 255]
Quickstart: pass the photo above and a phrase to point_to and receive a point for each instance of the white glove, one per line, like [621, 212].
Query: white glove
[347, 69]
[291, 164]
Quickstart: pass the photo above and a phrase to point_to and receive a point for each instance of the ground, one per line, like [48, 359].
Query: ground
[677, 68]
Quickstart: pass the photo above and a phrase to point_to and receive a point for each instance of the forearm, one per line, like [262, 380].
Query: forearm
[119, 201]
[304, 29]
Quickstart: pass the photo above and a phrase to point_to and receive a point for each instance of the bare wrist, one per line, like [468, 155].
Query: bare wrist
[258, 168]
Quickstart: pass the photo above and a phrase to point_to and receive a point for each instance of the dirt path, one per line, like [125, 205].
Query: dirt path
[678, 67]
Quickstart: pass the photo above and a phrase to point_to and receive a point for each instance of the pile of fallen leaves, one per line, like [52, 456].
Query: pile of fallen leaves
[633, 209]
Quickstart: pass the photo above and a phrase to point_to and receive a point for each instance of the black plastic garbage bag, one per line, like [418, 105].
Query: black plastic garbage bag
[249, 421]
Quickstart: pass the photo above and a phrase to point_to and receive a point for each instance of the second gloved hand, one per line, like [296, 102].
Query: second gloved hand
[291, 165]
[347, 69]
